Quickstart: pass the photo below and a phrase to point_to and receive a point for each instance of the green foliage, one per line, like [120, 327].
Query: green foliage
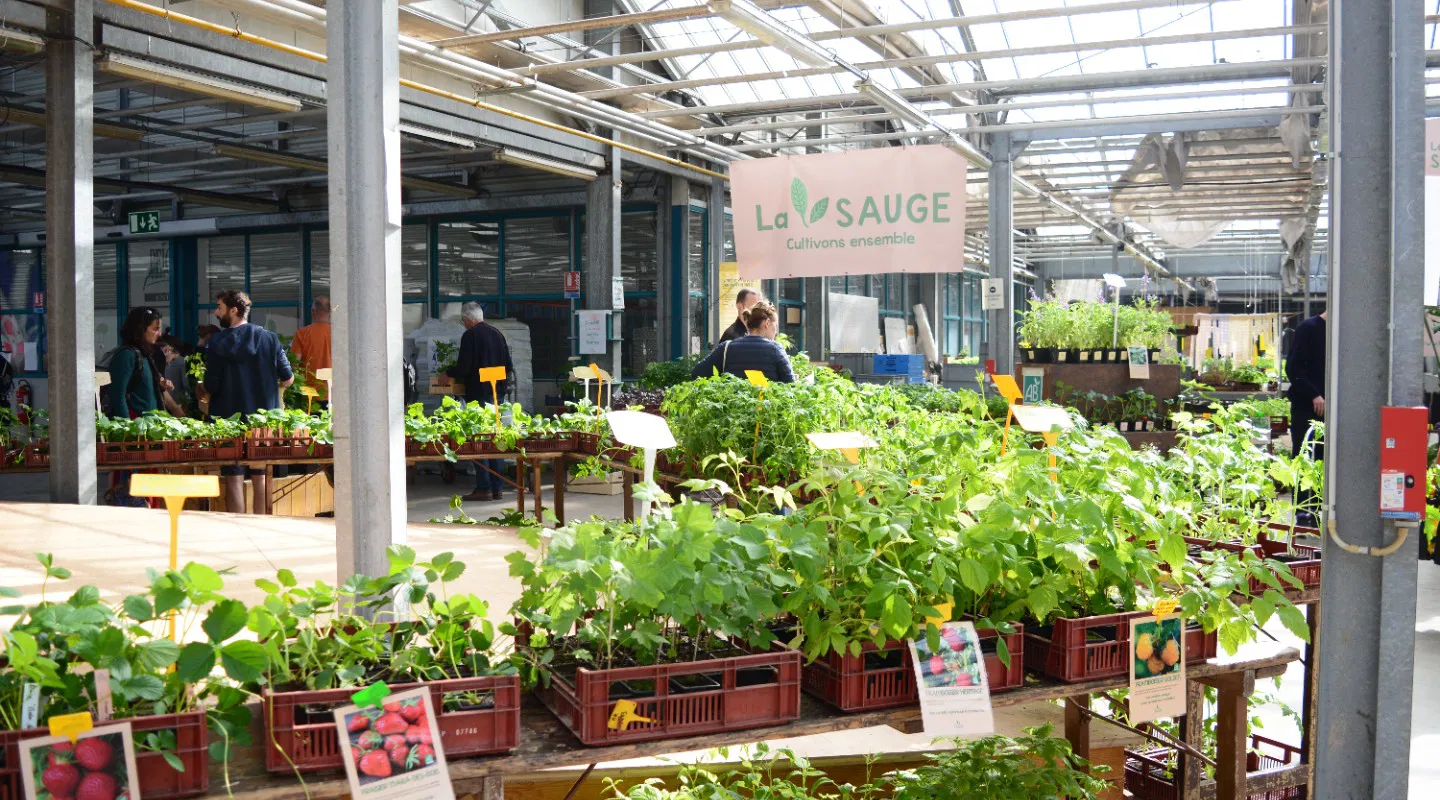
[1095, 326]
[664, 374]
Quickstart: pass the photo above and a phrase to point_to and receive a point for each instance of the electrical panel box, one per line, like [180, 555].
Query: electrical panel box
[1403, 440]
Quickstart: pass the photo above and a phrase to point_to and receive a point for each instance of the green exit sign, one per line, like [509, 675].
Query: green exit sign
[145, 222]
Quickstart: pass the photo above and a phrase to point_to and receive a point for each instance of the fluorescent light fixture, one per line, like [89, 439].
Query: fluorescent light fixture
[750, 18]
[264, 156]
[521, 158]
[13, 41]
[438, 136]
[892, 101]
[164, 75]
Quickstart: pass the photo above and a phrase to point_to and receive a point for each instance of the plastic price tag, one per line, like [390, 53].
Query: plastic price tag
[71, 725]
[623, 714]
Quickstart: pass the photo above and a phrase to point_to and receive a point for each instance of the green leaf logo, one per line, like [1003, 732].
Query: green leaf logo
[800, 199]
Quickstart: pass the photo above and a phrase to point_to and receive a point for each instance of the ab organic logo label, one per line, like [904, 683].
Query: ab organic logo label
[799, 197]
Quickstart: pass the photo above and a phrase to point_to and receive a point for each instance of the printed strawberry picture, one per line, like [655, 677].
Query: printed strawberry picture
[94, 768]
[391, 740]
[957, 663]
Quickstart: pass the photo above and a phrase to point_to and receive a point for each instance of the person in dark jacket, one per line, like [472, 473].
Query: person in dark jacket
[481, 347]
[245, 369]
[1305, 368]
[743, 302]
[755, 350]
[135, 388]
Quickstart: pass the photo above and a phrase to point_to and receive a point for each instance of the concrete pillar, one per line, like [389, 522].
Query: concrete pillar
[716, 204]
[368, 401]
[680, 270]
[1002, 250]
[932, 297]
[1375, 325]
[666, 314]
[602, 250]
[70, 250]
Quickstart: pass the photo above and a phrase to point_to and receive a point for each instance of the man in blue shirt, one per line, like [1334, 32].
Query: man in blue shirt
[245, 369]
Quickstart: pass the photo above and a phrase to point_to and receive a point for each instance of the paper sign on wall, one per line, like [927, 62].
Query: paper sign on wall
[954, 686]
[992, 297]
[1157, 668]
[592, 331]
[730, 285]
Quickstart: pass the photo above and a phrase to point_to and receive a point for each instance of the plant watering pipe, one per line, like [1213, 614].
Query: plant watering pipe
[222, 30]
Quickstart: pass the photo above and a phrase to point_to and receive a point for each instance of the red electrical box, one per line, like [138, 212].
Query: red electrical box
[1403, 444]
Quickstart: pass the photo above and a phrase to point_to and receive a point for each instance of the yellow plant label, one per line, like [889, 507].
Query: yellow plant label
[309, 391]
[946, 610]
[492, 374]
[175, 485]
[757, 377]
[1008, 388]
[623, 714]
[1165, 606]
[71, 725]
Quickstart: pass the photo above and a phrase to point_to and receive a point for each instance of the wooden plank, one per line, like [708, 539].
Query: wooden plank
[1077, 724]
[1191, 771]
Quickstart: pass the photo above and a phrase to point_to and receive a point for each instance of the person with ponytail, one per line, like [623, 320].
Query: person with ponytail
[756, 350]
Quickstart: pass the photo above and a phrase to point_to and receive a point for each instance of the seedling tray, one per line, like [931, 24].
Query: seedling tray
[687, 699]
[158, 780]
[1091, 648]
[884, 677]
[134, 452]
[278, 447]
[300, 726]
[227, 450]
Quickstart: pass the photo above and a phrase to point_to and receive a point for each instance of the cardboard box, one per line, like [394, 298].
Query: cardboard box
[612, 484]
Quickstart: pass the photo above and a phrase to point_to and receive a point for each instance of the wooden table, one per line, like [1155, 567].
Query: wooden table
[546, 744]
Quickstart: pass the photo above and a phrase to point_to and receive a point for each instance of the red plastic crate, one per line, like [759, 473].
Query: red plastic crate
[884, 677]
[1150, 773]
[158, 780]
[134, 452]
[1306, 570]
[1068, 657]
[277, 447]
[587, 443]
[227, 450]
[307, 736]
[734, 703]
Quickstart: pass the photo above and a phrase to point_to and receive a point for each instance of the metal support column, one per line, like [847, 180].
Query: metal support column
[1367, 630]
[716, 205]
[602, 250]
[70, 250]
[1002, 249]
[364, 123]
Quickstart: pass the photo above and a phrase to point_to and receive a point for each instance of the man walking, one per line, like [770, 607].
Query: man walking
[312, 346]
[743, 302]
[482, 346]
[1305, 367]
[245, 369]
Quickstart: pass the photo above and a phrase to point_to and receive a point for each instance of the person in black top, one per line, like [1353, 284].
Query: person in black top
[755, 350]
[1305, 368]
[743, 302]
[482, 346]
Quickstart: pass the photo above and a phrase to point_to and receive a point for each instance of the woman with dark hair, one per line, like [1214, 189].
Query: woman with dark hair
[134, 385]
[756, 350]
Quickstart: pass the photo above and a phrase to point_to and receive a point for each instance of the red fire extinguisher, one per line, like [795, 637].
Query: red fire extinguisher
[23, 395]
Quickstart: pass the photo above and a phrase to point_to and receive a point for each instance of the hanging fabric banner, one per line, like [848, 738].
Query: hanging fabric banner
[892, 209]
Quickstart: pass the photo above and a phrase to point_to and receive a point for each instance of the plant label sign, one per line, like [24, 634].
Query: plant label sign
[993, 297]
[100, 762]
[954, 687]
[1034, 383]
[1139, 363]
[392, 750]
[1157, 667]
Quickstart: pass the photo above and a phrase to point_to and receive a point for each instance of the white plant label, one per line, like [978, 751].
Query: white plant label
[954, 687]
[1157, 668]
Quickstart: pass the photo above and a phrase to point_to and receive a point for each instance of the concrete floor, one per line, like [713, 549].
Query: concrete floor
[115, 557]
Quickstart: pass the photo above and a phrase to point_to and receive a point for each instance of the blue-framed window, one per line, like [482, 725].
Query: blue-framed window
[415, 272]
[966, 326]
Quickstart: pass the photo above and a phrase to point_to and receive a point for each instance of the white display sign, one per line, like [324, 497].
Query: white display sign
[993, 294]
[617, 294]
[395, 750]
[1157, 668]
[592, 331]
[1139, 363]
[954, 685]
[854, 323]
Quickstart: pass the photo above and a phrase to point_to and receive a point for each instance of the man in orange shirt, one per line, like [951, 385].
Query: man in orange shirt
[312, 344]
